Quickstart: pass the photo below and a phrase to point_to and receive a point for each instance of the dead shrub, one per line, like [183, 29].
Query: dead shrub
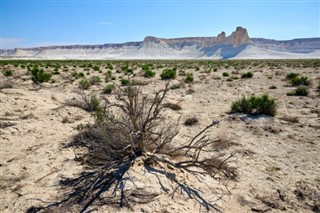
[172, 106]
[191, 121]
[132, 130]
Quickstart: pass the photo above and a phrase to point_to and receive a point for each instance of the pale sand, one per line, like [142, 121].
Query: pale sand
[275, 158]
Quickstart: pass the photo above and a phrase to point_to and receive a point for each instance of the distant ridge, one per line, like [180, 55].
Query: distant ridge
[237, 45]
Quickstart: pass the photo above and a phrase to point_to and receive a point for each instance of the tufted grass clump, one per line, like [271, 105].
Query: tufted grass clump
[255, 105]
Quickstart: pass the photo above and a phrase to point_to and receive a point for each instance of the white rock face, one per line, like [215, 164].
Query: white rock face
[236, 46]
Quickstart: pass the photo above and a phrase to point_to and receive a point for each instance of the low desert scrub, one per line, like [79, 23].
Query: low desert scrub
[189, 78]
[84, 83]
[88, 103]
[254, 105]
[124, 82]
[225, 74]
[191, 121]
[299, 91]
[138, 135]
[247, 75]
[272, 87]
[172, 106]
[7, 72]
[300, 81]
[94, 80]
[109, 88]
[168, 74]
[39, 75]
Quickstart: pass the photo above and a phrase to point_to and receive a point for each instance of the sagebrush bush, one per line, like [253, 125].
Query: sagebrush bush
[39, 75]
[93, 80]
[149, 73]
[124, 82]
[84, 83]
[225, 74]
[168, 74]
[7, 72]
[109, 88]
[272, 87]
[254, 105]
[299, 91]
[292, 75]
[189, 78]
[300, 81]
[247, 75]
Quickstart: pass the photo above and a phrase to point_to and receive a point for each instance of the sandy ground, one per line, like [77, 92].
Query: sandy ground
[277, 158]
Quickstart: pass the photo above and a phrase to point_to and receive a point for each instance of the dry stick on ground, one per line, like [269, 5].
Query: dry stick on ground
[134, 129]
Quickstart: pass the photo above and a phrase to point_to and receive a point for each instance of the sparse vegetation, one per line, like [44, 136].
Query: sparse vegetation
[7, 72]
[299, 91]
[39, 75]
[189, 78]
[254, 105]
[168, 74]
[109, 88]
[247, 75]
[225, 74]
[191, 121]
[124, 82]
[84, 83]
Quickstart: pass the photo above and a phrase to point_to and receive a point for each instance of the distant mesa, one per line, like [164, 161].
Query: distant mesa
[238, 45]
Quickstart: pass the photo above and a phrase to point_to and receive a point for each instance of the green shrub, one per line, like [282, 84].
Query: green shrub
[189, 78]
[272, 87]
[39, 75]
[108, 76]
[299, 91]
[292, 75]
[168, 74]
[93, 80]
[109, 66]
[7, 72]
[124, 82]
[247, 75]
[255, 105]
[225, 74]
[149, 74]
[84, 83]
[300, 81]
[96, 68]
[109, 88]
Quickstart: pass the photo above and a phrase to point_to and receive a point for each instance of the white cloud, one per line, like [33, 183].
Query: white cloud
[104, 23]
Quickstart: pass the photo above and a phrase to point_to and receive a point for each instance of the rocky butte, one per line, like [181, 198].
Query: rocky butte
[238, 45]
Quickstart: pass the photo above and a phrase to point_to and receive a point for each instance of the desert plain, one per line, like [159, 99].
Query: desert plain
[274, 160]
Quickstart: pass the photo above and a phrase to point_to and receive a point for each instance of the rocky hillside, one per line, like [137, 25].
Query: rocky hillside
[236, 45]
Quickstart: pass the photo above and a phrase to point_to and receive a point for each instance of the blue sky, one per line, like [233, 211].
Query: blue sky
[26, 23]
